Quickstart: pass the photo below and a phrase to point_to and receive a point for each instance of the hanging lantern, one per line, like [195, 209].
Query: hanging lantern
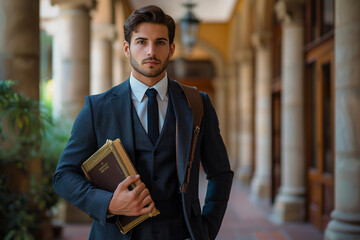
[189, 27]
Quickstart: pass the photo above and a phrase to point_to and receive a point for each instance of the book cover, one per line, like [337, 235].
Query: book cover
[105, 169]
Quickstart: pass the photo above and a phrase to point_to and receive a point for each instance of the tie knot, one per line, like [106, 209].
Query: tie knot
[151, 93]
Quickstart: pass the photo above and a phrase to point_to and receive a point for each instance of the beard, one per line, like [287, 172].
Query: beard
[153, 71]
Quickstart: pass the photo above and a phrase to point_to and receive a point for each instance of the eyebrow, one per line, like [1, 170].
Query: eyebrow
[164, 39]
[143, 38]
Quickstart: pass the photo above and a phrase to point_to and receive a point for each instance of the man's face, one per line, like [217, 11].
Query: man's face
[149, 52]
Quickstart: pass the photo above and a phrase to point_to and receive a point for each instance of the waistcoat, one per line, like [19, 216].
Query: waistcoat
[157, 168]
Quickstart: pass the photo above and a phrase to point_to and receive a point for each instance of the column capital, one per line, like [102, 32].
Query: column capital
[261, 39]
[105, 32]
[288, 11]
[89, 4]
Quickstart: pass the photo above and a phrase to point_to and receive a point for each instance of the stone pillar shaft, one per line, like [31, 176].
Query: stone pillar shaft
[232, 120]
[220, 105]
[72, 68]
[289, 204]
[260, 185]
[73, 76]
[20, 45]
[345, 223]
[245, 144]
[121, 67]
[101, 57]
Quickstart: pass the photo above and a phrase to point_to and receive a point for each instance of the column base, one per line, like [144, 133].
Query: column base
[288, 208]
[244, 176]
[337, 230]
[343, 226]
[260, 188]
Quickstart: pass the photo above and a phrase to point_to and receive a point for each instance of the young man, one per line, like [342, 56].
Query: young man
[159, 151]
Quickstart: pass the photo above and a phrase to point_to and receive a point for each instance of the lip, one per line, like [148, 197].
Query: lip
[152, 63]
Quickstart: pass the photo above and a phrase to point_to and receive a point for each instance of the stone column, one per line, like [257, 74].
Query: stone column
[345, 223]
[245, 144]
[101, 57]
[232, 116]
[290, 203]
[260, 185]
[20, 61]
[220, 105]
[121, 65]
[20, 45]
[72, 68]
[72, 72]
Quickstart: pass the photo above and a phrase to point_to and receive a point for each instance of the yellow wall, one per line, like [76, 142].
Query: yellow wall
[218, 34]
[215, 34]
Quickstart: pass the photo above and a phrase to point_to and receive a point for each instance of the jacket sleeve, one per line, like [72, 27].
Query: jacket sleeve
[217, 168]
[69, 181]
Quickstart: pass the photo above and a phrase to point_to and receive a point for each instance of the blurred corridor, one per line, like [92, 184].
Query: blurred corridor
[283, 76]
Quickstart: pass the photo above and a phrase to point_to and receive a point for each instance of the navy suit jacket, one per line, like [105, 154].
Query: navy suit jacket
[107, 116]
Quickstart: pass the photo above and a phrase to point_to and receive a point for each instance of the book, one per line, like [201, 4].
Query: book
[105, 169]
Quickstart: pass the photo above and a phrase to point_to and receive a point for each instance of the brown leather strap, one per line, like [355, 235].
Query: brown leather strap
[195, 103]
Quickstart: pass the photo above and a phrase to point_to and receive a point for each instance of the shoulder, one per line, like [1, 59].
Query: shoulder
[113, 92]
[105, 98]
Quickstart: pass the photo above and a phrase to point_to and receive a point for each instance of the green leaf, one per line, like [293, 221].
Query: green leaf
[10, 235]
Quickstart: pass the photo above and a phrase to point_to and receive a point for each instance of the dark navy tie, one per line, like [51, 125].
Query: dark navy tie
[152, 115]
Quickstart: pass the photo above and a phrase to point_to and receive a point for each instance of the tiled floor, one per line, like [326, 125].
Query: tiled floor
[244, 220]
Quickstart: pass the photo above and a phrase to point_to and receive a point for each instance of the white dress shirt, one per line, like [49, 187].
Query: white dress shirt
[140, 99]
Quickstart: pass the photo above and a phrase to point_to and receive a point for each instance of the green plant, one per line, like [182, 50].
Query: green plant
[18, 219]
[54, 140]
[27, 131]
[22, 124]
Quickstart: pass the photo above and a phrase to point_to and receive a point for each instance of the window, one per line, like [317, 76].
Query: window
[320, 20]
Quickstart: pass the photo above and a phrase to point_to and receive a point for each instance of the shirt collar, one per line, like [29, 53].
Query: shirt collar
[138, 88]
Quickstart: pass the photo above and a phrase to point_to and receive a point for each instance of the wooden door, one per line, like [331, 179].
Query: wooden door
[320, 133]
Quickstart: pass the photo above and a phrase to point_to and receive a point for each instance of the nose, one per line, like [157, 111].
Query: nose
[151, 50]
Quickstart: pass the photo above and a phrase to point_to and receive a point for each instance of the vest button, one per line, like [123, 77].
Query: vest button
[156, 153]
[155, 178]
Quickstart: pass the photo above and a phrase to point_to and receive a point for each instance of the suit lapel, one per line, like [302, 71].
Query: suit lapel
[121, 104]
[184, 120]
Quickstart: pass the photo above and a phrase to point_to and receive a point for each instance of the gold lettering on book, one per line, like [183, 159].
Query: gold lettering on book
[104, 167]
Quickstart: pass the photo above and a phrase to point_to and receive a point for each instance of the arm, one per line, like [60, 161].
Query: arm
[217, 168]
[70, 183]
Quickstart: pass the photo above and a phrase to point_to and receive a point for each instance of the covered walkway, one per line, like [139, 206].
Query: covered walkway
[244, 220]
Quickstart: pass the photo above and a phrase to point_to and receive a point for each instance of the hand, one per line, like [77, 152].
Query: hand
[131, 203]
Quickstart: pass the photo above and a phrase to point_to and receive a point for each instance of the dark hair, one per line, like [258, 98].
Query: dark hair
[148, 14]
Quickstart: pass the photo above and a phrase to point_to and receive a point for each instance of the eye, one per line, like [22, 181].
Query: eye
[160, 42]
[141, 42]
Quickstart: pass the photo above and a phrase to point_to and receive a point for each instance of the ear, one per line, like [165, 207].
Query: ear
[172, 49]
[126, 48]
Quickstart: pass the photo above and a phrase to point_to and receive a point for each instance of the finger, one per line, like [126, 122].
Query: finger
[148, 208]
[138, 189]
[146, 201]
[144, 192]
[128, 181]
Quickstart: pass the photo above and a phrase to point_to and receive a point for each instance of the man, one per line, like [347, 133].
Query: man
[161, 160]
